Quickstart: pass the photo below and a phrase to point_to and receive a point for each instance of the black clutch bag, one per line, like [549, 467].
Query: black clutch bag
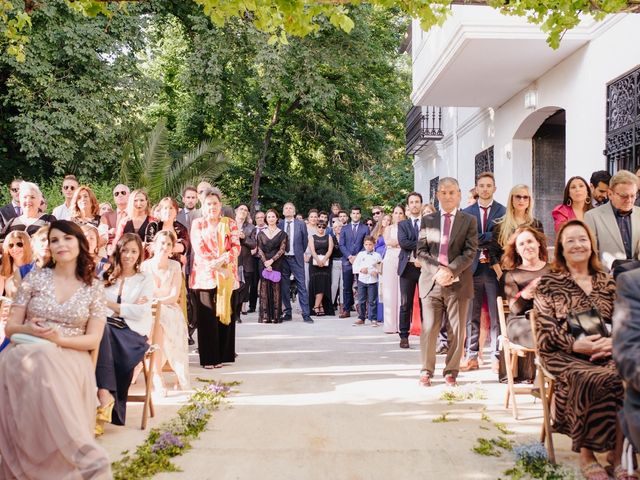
[589, 322]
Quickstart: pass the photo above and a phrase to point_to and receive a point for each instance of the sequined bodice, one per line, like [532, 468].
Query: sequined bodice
[37, 293]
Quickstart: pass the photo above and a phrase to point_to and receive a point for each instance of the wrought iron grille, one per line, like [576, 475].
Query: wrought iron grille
[423, 124]
[623, 122]
[484, 161]
[433, 188]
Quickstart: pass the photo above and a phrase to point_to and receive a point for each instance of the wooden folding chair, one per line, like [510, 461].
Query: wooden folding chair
[147, 368]
[546, 383]
[511, 351]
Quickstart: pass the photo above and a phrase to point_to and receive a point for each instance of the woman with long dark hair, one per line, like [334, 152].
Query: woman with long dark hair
[576, 201]
[47, 417]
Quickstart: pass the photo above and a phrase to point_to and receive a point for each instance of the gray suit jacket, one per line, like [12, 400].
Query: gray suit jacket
[186, 218]
[463, 244]
[602, 222]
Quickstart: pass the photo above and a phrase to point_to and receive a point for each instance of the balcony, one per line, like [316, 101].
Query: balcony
[424, 124]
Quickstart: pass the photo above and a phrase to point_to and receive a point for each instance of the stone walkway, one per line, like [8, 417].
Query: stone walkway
[334, 401]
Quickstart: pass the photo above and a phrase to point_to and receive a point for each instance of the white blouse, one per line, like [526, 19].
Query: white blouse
[137, 315]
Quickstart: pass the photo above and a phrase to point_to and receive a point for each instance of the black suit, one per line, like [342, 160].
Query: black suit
[409, 273]
[453, 299]
[7, 212]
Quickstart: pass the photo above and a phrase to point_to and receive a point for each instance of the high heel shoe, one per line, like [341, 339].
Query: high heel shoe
[105, 412]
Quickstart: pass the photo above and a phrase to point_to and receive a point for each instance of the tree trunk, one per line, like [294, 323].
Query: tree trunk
[262, 161]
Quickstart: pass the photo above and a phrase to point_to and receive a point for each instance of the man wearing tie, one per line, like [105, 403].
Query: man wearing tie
[447, 245]
[351, 242]
[297, 242]
[408, 271]
[485, 281]
[189, 201]
[11, 209]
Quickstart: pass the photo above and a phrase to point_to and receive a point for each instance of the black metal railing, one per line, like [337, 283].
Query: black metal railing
[423, 125]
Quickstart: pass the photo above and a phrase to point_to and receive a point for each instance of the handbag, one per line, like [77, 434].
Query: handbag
[271, 275]
[588, 322]
[313, 260]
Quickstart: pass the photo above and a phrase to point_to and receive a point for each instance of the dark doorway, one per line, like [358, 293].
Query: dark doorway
[549, 146]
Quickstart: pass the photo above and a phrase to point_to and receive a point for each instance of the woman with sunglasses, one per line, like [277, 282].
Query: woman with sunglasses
[31, 219]
[17, 254]
[138, 219]
[519, 214]
[321, 248]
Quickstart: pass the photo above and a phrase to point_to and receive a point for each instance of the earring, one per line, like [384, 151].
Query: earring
[588, 200]
[569, 202]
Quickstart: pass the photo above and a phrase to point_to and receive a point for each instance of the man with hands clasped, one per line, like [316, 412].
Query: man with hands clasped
[447, 245]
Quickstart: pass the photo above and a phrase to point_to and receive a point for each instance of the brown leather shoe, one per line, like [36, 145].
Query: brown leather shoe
[404, 343]
[425, 380]
[469, 364]
[344, 314]
[450, 380]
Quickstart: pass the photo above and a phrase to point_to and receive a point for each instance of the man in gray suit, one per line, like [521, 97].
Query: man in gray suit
[616, 224]
[447, 246]
[189, 201]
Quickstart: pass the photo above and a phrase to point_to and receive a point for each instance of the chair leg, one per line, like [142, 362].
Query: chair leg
[546, 434]
[513, 366]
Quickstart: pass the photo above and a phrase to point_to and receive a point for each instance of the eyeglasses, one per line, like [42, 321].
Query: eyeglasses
[69, 187]
[15, 190]
[626, 197]
[522, 197]
[17, 244]
[321, 227]
[377, 213]
[117, 194]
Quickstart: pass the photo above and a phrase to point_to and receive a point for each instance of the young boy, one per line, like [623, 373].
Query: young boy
[367, 267]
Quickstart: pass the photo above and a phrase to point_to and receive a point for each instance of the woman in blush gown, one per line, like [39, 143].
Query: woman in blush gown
[47, 380]
[390, 279]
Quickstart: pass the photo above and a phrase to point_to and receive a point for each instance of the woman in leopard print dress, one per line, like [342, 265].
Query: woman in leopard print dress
[588, 389]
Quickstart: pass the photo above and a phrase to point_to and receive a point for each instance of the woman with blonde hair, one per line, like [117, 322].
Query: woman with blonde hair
[173, 336]
[519, 214]
[138, 219]
[17, 253]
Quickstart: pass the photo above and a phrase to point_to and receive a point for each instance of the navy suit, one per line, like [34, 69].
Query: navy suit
[408, 272]
[485, 281]
[350, 244]
[7, 212]
[295, 264]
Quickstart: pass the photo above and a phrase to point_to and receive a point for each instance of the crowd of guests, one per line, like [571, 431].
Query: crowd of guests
[84, 278]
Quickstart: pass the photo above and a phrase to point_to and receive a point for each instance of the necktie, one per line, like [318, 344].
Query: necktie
[288, 232]
[18, 210]
[443, 255]
[416, 227]
[485, 217]
[353, 228]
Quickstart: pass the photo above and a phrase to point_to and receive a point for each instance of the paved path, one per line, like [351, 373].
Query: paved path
[333, 401]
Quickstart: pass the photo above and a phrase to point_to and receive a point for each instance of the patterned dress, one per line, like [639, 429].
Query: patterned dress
[587, 395]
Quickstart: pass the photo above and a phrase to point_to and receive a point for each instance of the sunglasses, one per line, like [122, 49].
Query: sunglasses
[15, 190]
[376, 213]
[117, 194]
[321, 227]
[69, 187]
[522, 197]
[17, 244]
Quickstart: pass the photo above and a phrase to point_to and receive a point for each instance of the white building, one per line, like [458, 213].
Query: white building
[513, 105]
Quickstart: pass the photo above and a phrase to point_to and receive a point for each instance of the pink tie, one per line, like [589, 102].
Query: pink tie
[443, 255]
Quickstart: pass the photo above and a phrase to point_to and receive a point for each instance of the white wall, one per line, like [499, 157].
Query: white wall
[577, 84]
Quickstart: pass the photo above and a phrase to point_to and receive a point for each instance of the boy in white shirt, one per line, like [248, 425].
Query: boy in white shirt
[367, 267]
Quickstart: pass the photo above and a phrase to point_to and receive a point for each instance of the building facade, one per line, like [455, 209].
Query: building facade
[490, 94]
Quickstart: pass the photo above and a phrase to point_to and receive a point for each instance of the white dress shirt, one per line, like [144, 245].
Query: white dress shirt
[370, 261]
[62, 212]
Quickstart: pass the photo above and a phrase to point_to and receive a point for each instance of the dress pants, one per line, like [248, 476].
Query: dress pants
[336, 281]
[368, 300]
[439, 302]
[408, 282]
[253, 285]
[347, 286]
[289, 266]
[485, 281]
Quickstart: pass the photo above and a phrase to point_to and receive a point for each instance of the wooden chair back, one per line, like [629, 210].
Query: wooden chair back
[147, 367]
[511, 352]
[546, 383]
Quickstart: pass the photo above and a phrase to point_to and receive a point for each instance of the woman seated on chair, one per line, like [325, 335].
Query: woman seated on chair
[129, 293]
[524, 261]
[48, 399]
[588, 390]
[17, 255]
[172, 336]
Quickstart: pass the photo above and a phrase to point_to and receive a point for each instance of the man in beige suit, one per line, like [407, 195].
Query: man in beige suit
[447, 245]
[616, 224]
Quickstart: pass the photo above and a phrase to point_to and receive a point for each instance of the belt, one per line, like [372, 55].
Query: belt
[290, 256]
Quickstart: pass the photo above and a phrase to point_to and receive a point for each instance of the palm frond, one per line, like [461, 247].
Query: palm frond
[155, 161]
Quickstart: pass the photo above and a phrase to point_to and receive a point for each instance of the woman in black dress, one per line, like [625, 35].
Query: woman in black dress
[167, 212]
[272, 243]
[138, 219]
[525, 261]
[321, 248]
